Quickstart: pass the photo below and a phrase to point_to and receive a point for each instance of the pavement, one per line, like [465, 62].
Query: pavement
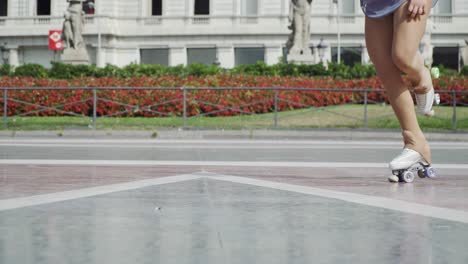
[316, 134]
[228, 197]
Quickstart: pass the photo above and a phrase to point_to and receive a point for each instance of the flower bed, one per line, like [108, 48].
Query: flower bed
[170, 102]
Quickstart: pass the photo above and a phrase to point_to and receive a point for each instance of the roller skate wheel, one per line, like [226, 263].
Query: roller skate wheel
[393, 178]
[430, 172]
[408, 176]
[422, 173]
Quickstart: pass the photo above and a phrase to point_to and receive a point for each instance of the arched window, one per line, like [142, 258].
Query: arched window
[202, 7]
[43, 8]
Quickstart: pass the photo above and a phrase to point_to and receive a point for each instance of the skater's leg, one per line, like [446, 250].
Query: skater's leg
[407, 35]
[379, 39]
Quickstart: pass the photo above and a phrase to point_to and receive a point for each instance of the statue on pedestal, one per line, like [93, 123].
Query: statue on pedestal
[75, 51]
[298, 43]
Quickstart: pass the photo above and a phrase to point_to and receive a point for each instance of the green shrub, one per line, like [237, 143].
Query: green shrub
[178, 70]
[68, 71]
[6, 70]
[360, 71]
[258, 69]
[31, 70]
[464, 71]
[339, 70]
[111, 71]
[446, 71]
[136, 70]
[197, 69]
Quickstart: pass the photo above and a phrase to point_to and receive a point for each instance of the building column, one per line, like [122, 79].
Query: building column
[13, 58]
[226, 56]
[465, 55]
[273, 54]
[365, 59]
[177, 55]
[327, 58]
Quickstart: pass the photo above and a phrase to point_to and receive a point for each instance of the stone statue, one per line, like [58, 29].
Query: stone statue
[72, 33]
[299, 17]
[67, 32]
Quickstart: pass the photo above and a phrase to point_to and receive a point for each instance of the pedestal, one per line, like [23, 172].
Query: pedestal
[75, 56]
[13, 59]
[301, 59]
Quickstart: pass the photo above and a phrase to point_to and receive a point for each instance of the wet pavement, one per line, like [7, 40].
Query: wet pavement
[227, 201]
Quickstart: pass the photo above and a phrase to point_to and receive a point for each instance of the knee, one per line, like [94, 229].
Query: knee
[402, 60]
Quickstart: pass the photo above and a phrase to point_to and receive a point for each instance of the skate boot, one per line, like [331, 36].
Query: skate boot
[425, 100]
[426, 97]
[407, 164]
[415, 158]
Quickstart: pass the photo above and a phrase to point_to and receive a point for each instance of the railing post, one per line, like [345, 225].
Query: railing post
[5, 107]
[184, 92]
[276, 109]
[454, 102]
[365, 109]
[94, 108]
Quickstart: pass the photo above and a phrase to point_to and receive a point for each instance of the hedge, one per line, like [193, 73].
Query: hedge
[66, 71]
[199, 102]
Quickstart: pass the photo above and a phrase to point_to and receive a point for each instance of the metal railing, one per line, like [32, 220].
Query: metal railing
[185, 95]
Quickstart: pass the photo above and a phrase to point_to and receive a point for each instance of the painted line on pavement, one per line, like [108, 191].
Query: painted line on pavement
[249, 146]
[118, 163]
[374, 201]
[214, 142]
[35, 200]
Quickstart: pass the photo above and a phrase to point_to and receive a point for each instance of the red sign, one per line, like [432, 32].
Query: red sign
[55, 40]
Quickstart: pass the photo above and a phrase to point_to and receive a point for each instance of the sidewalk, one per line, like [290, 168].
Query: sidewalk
[235, 134]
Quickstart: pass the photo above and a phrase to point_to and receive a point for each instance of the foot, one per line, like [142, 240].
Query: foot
[406, 159]
[425, 95]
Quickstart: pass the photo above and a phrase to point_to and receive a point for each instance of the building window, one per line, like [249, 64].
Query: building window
[205, 56]
[249, 55]
[3, 7]
[444, 7]
[347, 7]
[349, 55]
[156, 7]
[249, 7]
[447, 56]
[154, 56]
[43, 8]
[88, 7]
[202, 7]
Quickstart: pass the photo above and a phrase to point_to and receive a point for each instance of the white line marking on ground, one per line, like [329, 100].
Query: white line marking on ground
[375, 201]
[220, 142]
[211, 163]
[88, 192]
[248, 146]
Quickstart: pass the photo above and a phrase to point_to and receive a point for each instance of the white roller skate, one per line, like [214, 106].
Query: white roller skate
[407, 164]
[426, 101]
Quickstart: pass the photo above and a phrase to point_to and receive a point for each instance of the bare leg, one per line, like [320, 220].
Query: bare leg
[379, 39]
[407, 35]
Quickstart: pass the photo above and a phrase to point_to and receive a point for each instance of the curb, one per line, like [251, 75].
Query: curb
[234, 134]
